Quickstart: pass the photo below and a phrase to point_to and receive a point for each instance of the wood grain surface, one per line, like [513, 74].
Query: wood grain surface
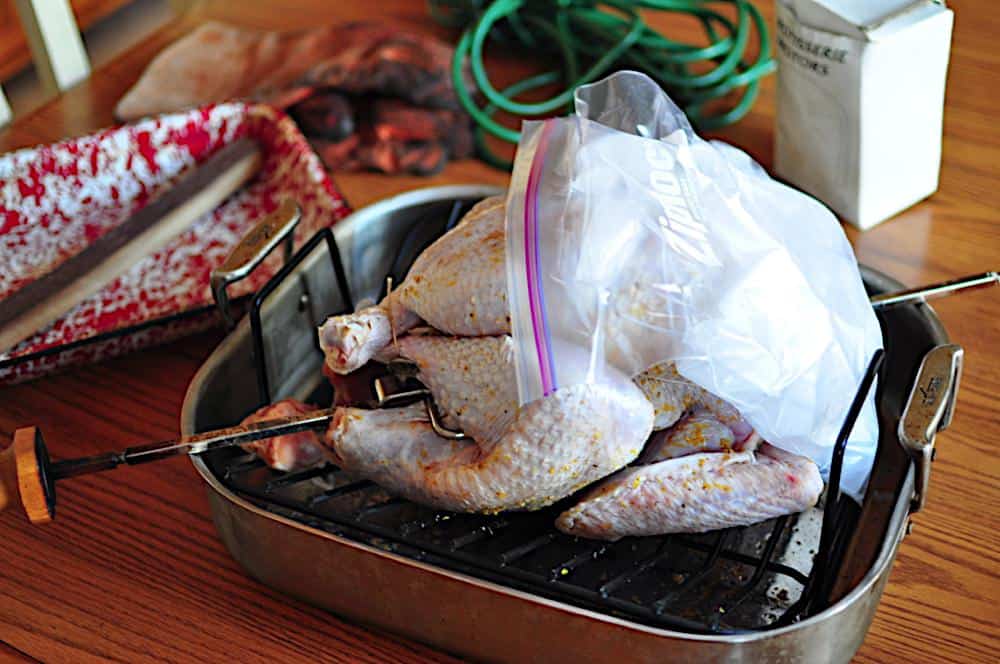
[132, 570]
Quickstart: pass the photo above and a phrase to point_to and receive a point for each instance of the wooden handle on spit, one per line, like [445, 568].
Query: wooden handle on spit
[23, 478]
[28, 477]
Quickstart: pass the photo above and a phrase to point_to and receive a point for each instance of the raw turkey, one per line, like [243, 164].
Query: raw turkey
[696, 493]
[703, 468]
[293, 451]
[551, 448]
[457, 285]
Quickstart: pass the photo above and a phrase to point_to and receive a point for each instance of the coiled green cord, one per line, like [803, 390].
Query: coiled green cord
[593, 38]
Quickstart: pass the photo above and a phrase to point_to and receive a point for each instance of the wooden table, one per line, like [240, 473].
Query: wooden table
[132, 569]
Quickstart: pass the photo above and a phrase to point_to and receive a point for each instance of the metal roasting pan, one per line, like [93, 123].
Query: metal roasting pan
[477, 617]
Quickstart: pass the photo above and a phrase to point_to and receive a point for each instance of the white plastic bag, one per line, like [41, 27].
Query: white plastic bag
[635, 240]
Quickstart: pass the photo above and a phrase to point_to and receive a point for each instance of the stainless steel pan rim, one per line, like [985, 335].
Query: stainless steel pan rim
[894, 534]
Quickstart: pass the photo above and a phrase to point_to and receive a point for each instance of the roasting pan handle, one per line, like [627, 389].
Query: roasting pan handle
[928, 410]
[255, 246]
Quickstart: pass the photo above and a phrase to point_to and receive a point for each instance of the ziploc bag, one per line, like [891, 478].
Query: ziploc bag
[632, 241]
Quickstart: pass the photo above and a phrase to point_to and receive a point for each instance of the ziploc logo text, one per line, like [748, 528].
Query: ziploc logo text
[682, 230]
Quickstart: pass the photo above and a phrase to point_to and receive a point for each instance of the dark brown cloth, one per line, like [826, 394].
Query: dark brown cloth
[368, 96]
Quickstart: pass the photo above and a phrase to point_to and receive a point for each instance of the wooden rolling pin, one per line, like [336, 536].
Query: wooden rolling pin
[198, 192]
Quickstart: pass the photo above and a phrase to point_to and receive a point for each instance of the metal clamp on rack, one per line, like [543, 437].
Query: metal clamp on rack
[385, 400]
[255, 246]
[929, 409]
[277, 228]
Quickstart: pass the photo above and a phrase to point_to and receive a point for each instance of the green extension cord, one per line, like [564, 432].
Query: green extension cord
[594, 38]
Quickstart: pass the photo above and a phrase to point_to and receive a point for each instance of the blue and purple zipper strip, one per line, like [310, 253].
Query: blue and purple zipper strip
[536, 294]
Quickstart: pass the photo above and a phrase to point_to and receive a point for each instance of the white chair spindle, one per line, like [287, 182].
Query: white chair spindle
[5, 112]
[55, 42]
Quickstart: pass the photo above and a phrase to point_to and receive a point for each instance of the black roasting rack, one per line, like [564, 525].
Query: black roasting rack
[724, 582]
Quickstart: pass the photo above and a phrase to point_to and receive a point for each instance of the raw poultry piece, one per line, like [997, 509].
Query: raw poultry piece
[292, 451]
[471, 378]
[457, 285]
[697, 431]
[696, 493]
[673, 395]
[553, 446]
[529, 457]
[474, 386]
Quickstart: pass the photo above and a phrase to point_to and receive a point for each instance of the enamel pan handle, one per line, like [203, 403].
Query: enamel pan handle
[928, 410]
[255, 246]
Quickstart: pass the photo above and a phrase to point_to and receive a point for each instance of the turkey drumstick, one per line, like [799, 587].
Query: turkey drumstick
[458, 285]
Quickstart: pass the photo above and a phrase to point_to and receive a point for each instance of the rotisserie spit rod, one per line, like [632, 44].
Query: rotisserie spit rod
[28, 476]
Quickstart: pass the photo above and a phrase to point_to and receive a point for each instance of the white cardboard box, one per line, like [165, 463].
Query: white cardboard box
[860, 102]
